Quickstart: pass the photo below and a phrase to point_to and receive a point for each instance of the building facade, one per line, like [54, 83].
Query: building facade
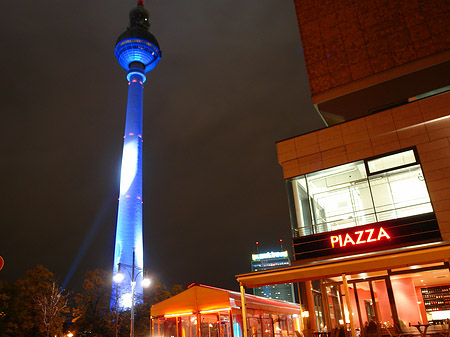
[272, 260]
[369, 194]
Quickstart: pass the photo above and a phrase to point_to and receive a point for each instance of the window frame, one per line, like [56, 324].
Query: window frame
[295, 210]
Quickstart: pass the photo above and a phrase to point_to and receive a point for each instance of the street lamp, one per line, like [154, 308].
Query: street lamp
[119, 277]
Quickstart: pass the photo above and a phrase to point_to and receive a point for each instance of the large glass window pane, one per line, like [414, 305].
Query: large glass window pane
[267, 327]
[209, 325]
[185, 328]
[400, 193]
[346, 196]
[255, 326]
[158, 327]
[340, 197]
[391, 161]
[302, 224]
[280, 325]
[225, 325]
[171, 327]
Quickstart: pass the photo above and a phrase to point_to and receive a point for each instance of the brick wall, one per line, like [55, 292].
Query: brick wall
[347, 40]
[424, 123]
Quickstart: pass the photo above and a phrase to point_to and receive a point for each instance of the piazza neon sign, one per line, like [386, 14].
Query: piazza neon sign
[361, 237]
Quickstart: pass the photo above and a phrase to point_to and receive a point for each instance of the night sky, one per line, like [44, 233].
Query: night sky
[231, 83]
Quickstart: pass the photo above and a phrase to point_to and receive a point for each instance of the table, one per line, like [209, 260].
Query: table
[419, 326]
[321, 333]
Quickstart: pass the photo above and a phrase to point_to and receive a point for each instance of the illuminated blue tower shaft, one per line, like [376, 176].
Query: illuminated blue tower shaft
[137, 51]
[129, 218]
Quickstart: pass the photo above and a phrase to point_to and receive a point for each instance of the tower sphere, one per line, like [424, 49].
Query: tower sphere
[137, 46]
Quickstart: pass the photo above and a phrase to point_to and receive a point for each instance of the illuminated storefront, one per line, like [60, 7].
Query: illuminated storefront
[398, 287]
[369, 193]
[220, 315]
[371, 229]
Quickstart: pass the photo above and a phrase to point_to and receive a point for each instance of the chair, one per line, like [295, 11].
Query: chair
[443, 333]
[334, 332]
[395, 332]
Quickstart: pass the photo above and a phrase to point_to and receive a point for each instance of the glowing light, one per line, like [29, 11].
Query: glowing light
[214, 310]
[178, 314]
[137, 50]
[118, 277]
[125, 300]
[129, 166]
[269, 255]
[237, 329]
[359, 237]
[136, 72]
[146, 282]
[305, 313]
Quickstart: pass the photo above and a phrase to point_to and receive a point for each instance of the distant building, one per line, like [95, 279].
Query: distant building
[272, 260]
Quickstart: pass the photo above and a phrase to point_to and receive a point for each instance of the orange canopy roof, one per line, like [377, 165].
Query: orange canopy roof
[198, 298]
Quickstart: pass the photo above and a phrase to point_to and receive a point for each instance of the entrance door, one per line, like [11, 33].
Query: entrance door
[370, 306]
[334, 306]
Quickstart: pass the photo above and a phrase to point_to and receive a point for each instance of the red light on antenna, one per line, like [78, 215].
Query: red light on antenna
[281, 240]
[140, 2]
[257, 242]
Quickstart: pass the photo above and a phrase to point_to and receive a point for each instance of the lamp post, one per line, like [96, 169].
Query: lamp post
[119, 277]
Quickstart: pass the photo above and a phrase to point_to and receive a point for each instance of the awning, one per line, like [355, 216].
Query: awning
[202, 298]
[398, 258]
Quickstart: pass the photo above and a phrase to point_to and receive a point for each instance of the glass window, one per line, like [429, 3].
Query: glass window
[391, 161]
[171, 327]
[209, 325]
[225, 325]
[302, 219]
[400, 193]
[237, 326]
[267, 327]
[348, 195]
[185, 327]
[158, 327]
[255, 326]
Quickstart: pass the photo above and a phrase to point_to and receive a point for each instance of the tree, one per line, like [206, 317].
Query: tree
[51, 304]
[176, 289]
[97, 315]
[92, 311]
[158, 292]
[48, 303]
[23, 301]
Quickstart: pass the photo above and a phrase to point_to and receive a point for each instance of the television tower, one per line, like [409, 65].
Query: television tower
[137, 51]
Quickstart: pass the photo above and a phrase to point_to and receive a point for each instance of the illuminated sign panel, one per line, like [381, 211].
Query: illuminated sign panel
[373, 237]
[359, 237]
[269, 255]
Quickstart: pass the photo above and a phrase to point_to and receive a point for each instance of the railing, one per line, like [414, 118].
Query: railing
[353, 219]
